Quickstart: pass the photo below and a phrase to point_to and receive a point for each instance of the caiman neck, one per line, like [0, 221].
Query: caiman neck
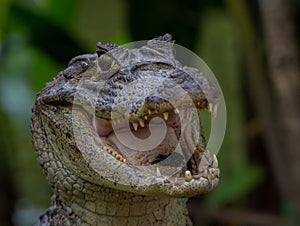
[96, 205]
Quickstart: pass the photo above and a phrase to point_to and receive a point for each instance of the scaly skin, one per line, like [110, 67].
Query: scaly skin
[95, 179]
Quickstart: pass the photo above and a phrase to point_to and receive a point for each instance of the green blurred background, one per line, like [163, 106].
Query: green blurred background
[39, 37]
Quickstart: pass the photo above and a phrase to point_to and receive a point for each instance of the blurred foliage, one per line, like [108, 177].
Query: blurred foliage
[238, 176]
[39, 37]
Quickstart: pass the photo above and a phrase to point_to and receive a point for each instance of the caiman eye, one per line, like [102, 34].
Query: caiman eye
[106, 66]
[78, 65]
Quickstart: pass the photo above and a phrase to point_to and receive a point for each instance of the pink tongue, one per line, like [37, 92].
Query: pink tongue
[104, 127]
[136, 157]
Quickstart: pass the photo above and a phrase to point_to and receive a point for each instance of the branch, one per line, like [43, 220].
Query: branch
[283, 59]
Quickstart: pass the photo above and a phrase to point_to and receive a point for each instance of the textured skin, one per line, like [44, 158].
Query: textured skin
[101, 189]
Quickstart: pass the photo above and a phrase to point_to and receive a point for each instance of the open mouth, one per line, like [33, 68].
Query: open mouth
[165, 153]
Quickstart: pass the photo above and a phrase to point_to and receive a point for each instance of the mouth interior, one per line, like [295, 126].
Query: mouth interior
[172, 121]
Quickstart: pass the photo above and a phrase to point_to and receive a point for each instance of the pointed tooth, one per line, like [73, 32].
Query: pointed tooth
[119, 157]
[135, 126]
[166, 115]
[210, 107]
[176, 111]
[188, 176]
[213, 109]
[158, 174]
[176, 183]
[149, 112]
[166, 180]
[211, 175]
[155, 111]
[146, 117]
[142, 123]
[215, 162]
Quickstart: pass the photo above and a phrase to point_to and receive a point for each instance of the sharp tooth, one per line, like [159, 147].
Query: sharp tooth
[210, 107]
[158, 174]
[176, 111]
[188, 176]
[213, 109]
[149, 112]
[135, 126]
[166, 180]
[215, 162]
[119, 157]
[146, 117]
[176, 181]
[166, 115]
[142, 123]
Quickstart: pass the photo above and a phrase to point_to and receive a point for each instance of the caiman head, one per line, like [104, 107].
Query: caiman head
[128, 119]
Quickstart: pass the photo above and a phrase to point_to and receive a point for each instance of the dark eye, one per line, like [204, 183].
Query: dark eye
[106, 66]
[105, 62]
[78, 65]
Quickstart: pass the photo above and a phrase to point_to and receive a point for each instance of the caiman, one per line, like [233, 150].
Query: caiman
[83, 122]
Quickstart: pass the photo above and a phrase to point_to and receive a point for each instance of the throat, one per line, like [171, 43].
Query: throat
[113, 207]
